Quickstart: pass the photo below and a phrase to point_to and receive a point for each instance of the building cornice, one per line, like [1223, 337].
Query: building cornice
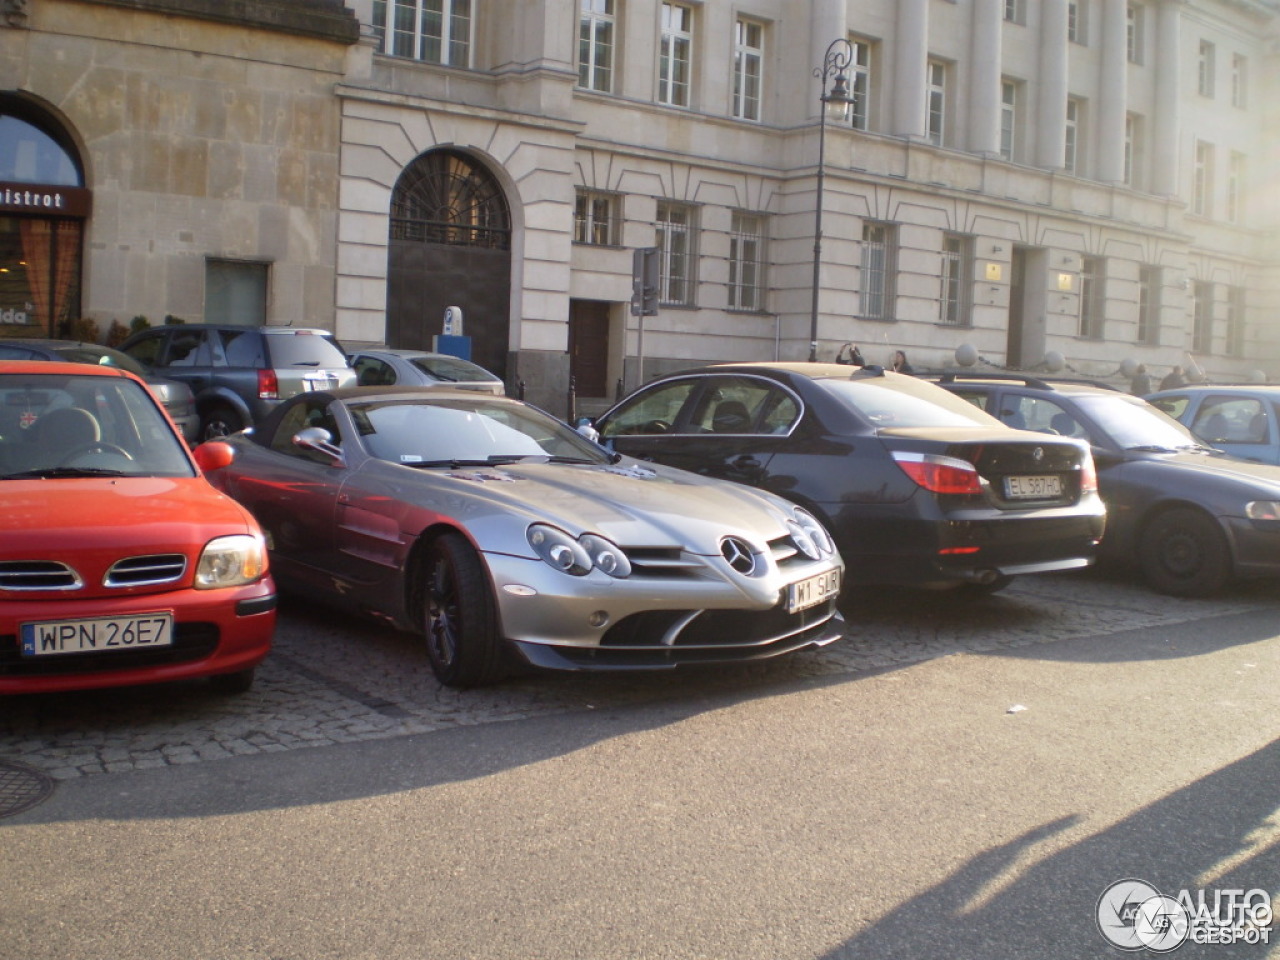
[321, 19]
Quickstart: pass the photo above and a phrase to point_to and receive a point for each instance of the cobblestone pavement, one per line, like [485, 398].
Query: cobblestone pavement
[332, 680]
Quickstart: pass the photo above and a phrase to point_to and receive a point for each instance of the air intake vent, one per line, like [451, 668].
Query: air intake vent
[37, 575]
[146, 571]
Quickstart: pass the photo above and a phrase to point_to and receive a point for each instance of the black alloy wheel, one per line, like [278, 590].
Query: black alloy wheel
[459, 618]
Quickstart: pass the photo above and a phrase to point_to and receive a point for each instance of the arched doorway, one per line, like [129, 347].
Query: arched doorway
[43, 206]
[450, 245]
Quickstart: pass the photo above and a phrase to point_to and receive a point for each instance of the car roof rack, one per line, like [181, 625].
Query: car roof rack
[1036, 383]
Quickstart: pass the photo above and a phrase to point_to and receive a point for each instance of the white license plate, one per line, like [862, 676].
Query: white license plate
[52, 637]
[1033, 488]
[812, 591]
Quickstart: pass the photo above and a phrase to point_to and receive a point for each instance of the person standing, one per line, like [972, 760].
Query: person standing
[850, 354]
[1140, 385]
[1173, 379]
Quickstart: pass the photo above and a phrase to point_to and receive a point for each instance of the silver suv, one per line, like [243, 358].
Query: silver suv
[238, 374]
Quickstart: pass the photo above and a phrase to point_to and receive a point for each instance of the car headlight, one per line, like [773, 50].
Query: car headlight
[1262, 510]
[606, 555]
[810, 535]
[577, 557]
[231, 562]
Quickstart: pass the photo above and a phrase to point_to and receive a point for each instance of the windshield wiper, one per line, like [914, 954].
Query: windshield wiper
[1151, 448]
[55, 472]
[495, 460]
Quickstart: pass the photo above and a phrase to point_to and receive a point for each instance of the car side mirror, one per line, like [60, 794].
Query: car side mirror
[588, 429]
[320, 440]
[213, 456]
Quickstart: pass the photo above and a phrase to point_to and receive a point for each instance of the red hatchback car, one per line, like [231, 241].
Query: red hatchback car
[119, 563]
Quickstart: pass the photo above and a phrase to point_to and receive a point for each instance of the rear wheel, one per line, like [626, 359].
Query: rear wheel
[1183, 553]
[459, 618]
[220, 421]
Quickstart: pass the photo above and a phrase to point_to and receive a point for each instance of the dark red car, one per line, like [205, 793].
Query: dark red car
[119, 563]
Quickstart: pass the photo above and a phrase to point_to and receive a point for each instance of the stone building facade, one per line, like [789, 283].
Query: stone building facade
[1038, 183]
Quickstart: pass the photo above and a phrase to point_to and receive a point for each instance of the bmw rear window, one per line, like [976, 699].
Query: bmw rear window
[906, 403]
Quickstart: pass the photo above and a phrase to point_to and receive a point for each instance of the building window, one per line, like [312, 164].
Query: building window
[1077, 30]
[936, 117]
[748, 63]
[1149, 285]
[1015, 11]
[1236, 181]
[676, 251]
[1202, 180]
[1134, 40]
[1202, 317]
[437, 31]
[746, 261]
[595, 45]
[1008, 118]
[860, 85]
[878, 270]
[1071, 157]
[1235, 321]
[1132, 150]
[596, 218]
[1092, 298]
[235, 292]
[957, 279]
[1206, 69]
[1240, 81]
[675, 51]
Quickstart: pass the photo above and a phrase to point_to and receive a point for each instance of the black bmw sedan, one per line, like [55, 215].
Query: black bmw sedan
[918, 487]
[1189, 519]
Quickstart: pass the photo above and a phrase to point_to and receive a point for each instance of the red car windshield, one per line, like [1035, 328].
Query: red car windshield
[57, 425]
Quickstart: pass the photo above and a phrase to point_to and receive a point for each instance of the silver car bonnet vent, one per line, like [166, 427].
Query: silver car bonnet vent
[38, 575]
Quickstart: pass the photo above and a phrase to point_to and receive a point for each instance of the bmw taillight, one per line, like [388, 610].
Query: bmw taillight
[939, 474]
[268, 385]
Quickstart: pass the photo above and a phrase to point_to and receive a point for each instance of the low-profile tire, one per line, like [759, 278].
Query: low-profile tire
[459, 617]
[232, 684]
[220, 421]
[974, 590]
[1183, 553]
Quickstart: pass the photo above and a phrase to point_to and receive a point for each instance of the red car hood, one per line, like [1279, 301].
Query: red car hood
[58, 519]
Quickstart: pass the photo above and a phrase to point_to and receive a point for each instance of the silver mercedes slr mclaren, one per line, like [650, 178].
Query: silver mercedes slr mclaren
[506, 539]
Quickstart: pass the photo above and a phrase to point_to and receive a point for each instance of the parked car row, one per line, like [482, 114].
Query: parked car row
[714, 515]
[1188, 516]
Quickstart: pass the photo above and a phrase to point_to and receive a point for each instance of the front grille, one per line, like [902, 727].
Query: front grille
[191, 641]
[38, 575]
[146, 571]
[712, 628]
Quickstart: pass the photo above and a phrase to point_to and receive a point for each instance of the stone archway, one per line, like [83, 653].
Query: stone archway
[450, 245]
[43, 208]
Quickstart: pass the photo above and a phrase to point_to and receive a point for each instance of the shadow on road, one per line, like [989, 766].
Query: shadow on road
[1218, 833]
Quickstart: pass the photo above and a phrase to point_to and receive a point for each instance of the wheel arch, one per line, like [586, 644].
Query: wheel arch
[415, 564]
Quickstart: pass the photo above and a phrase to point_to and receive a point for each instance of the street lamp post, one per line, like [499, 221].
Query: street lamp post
[834, 64]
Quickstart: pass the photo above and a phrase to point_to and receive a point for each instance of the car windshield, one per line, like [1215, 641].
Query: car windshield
[906, 403]
[422, 432]
[451, 369]
[1134, 424]
[54, 425]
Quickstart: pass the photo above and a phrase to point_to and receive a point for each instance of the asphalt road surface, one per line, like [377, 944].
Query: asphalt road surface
[950, 781]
